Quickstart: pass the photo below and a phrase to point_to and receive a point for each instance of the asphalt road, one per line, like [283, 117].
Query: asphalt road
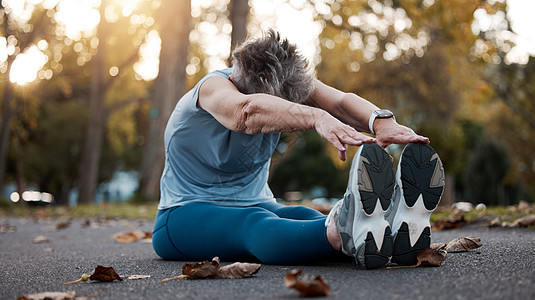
[503, 268]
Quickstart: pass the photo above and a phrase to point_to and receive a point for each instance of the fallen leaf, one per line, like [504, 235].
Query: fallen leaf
[437, 246]
[431, 257]
[63, 224]
[131, 236]
[205, 269]
[7, 228]
[463, 244]
[455, 221]
[315, 288]
[86, 223]
[40, 239]
[105, 274]
[495, 222]
[239, 270]
[525, 221]
[49, 296]
[211, 269]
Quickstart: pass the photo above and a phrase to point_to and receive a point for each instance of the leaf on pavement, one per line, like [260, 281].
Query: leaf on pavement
[205, 269]
[437, 246]
[211, 269]
[463, 244]
[7, 228]
[50, 296]
[40, 239]
[317, 287]
[131, 236]
[239, 270]
[63, 224]
[431, 257]
[105, 274]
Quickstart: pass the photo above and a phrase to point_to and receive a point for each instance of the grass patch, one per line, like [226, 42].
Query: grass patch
[106, 210]
[504, 213]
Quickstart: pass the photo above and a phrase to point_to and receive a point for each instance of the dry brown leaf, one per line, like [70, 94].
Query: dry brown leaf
[205, 269]
[105, 274]
[211, 269]
[525, 221]
[463, 244]
[437, 246]
[455, 221]
[40, 239]
[239, 270]
[131, 236]
[63, 224]
[50, 296]
[431, 257]
[315, 288]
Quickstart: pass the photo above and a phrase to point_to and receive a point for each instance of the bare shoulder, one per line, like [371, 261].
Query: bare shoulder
[215, 88]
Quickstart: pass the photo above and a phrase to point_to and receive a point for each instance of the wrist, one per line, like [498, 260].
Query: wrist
[382, 114]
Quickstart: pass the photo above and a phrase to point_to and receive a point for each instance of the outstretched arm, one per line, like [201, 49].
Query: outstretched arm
[262, 113]
[356, 111]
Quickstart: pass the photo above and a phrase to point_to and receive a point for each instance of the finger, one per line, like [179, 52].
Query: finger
[356, 139]
[342, 154]
[336, 143]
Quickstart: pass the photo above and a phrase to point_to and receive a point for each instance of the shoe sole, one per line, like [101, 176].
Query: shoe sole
[421, 179]
[371, 241]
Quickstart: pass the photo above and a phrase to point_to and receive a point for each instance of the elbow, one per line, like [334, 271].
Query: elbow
[246, 114]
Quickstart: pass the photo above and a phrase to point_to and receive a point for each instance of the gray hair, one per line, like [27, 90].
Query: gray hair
[272, 65]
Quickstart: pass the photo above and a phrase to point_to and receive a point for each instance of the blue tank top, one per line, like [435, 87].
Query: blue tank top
[206, 162]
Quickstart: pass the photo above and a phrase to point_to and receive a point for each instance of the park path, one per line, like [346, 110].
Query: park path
[503, 268]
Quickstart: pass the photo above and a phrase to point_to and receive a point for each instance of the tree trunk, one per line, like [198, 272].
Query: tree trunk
[6, 110]
[169, 86]
[96, 124]
[7, 115]
[238, 17]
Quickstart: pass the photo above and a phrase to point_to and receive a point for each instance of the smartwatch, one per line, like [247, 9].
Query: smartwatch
[381, 114]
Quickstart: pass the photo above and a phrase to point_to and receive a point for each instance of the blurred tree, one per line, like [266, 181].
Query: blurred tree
[486, 168]
[168, 88]
[239, 12]
[112, 46]
[51, 150]
[20, 36]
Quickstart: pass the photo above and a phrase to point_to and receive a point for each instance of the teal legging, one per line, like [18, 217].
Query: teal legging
[271, 233]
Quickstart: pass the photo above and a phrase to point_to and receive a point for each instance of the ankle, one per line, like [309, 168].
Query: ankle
[333, 236]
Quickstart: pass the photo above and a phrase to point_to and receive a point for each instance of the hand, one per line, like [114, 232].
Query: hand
[339, 134]
[388, 131]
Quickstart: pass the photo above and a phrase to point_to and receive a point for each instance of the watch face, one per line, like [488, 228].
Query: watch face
[384, 113]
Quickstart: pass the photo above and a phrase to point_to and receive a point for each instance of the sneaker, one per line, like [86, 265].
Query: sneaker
[360, 215]
[419, 187]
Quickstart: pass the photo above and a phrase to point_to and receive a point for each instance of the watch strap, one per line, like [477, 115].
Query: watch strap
[382, 113]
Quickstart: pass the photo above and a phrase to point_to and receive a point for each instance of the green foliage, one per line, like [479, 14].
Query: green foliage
[52, 150]
[307, 167]
[486, 168]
